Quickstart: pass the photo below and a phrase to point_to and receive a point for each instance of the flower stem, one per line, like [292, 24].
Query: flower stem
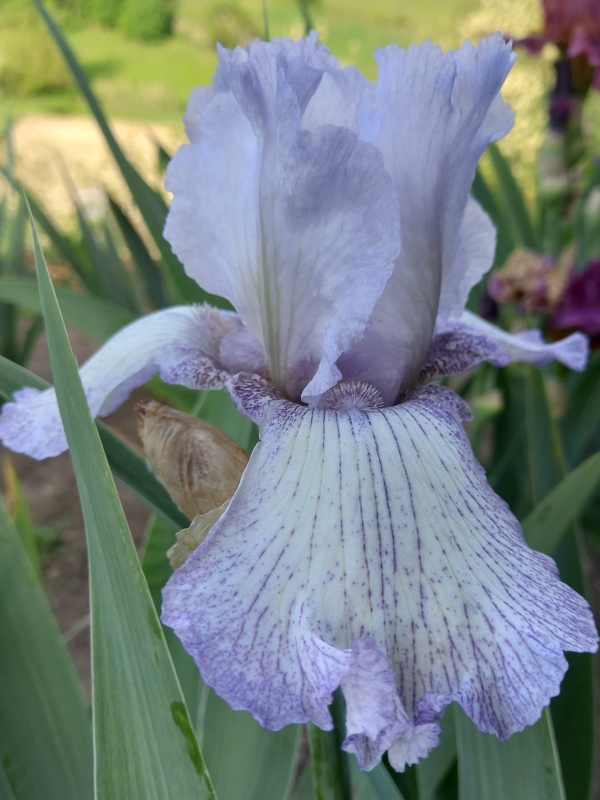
[331, 770]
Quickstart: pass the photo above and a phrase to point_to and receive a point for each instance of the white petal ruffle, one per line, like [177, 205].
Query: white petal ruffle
[182, 344]
[529, 345]
[359, 540]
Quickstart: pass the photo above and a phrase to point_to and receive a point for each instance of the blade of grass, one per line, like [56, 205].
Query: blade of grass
[45, 734]
[550, 519]
[523, 768]
[125, 463]
[513, 200]
[92, 315]
[144, 744]
[151, 205]
[148, 270]
[62, 244]
[572, 710]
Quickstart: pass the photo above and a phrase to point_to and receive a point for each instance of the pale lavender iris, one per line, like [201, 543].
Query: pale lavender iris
[363, 548]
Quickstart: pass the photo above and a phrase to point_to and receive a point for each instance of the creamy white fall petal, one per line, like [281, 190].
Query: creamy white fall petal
[181, 344]
[298, 229]
[369, 538]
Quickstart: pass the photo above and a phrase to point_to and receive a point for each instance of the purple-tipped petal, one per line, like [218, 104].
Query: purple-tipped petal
[529, 345]
[360, 539]
[298, 229]
[182, 344]
[375, 718]
[436, 113]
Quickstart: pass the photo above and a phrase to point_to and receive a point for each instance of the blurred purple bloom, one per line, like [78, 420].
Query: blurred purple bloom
[579, 306]
[363, 547]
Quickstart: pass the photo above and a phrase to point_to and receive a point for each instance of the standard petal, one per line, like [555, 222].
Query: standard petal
[181, 343]
[298, 229]
[436, 113]
[378, 524]
[529, 345]
[344, 97]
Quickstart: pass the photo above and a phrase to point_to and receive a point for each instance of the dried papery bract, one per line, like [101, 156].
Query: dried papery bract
[199, 465]
[190, 538]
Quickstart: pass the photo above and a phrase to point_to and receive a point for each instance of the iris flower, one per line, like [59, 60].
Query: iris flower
[363, 547]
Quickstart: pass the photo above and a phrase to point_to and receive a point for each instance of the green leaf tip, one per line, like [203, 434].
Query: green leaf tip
[182, 720]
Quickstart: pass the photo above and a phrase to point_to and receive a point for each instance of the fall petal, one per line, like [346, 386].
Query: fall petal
[352, 526]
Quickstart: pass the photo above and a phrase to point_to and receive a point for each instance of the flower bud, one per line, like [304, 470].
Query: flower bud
[199, 465]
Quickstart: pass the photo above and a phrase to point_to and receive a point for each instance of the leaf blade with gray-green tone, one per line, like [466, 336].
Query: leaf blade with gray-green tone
[247, 762]
[523, 768]
[92, 315]
[549, 520]
[45, 733]
[144, 745]
[573, 709]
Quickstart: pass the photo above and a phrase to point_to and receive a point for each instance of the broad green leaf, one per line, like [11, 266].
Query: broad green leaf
[144, 744]
[573, 708]
[547, 523]
[522, 768]
[330, 764]
[304, 789]
[580, 424]
[125, 463]
[405, 782]
[152, 207]
[45, 733]
[432, 770]
[247, 762]
[6, 791]
[513, 200]
[377, 784]
[160, 536]
[90, 314]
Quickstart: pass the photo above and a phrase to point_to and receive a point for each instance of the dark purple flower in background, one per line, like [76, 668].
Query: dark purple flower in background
[579, 305]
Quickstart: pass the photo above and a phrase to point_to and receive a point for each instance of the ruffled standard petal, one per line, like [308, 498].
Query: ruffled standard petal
[181, 343]
[373, 526]
[529, 345]
[298, 229]
[436, 113]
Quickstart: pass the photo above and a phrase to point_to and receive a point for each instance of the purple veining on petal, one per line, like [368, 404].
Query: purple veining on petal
[181, 344]
[375, 718]
[373, 526]
[457, 350]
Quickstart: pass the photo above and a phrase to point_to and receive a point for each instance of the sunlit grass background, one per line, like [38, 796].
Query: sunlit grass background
[149, 82]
